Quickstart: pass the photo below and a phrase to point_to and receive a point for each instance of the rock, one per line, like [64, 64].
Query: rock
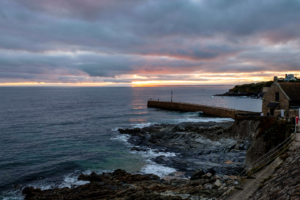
[217, 184]
[137, 149]
[208, 186]
[241, 146]
[207, 176]
[93, 177]
[211, 171]
[215, 177]
[184, 196]
[225, 177]
[197, 174]
[18, 186]
[189, 140]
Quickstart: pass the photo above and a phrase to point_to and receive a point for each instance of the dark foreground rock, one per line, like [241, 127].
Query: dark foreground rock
[123, 185]
[202, 145]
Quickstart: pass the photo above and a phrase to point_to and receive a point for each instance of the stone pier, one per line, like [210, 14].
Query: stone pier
[206, 109]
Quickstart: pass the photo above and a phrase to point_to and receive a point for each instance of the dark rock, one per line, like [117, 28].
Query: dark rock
[211, 170]
[17, 186]
[137, 149]
[197, 174]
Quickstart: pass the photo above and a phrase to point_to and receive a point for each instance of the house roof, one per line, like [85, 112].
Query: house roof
[292, 90]
[289, 77]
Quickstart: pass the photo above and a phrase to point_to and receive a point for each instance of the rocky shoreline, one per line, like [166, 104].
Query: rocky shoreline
[202, 145]
[255, 95]
[122, 185]
[207, 161]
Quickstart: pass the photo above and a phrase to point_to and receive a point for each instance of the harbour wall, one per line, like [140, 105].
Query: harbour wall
[206, 109]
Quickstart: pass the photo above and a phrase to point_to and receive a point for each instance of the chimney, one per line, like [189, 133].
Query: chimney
[275, 79]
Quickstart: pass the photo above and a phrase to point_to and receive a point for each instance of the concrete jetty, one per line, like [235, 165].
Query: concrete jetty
[206, 109]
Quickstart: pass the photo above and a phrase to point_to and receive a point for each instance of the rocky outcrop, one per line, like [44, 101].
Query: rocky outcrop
[202, 145]
[284, 184]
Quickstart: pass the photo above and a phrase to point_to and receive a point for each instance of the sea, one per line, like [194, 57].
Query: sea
[50, 135]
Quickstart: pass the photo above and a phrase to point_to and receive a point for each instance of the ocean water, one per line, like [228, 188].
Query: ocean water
[49, 135]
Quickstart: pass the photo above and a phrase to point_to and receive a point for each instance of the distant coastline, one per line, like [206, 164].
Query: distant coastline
[253, 90]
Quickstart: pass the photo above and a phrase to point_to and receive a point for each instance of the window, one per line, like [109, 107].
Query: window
[277, 96]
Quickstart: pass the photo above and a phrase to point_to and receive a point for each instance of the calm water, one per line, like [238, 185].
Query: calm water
[50, 135]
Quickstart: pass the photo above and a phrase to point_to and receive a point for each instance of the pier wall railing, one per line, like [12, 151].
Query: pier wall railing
[206, 109]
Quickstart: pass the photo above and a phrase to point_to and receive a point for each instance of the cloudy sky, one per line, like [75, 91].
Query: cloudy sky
[147, 42]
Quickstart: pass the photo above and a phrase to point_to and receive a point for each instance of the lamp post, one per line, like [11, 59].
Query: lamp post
[171, 96]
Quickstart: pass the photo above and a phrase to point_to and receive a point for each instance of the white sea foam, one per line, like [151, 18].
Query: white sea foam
[123, 138]
[159, 170]
[115, 129]
[88, 172]
[12, 195]
[142, 125]
[71, 180]
[152, 153]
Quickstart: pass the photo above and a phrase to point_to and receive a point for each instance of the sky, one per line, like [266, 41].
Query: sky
[147, 42]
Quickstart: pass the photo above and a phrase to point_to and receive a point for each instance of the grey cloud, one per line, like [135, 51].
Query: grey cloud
[196, 36]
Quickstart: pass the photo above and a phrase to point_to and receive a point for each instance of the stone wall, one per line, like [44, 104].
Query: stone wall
[269, 132]
[294, 112]
[187, 107]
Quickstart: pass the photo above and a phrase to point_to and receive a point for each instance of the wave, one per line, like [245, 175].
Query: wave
[152, 153]
[159, 170]
[71, 181]
[123, 138]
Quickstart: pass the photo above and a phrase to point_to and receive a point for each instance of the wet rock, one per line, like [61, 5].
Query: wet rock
[193, 143]
[137, 149]
[184, 196]
[206, 176]
[208, 186]
[93, 177]
[217, 184]
[130, 131]
[17, 186]
[211, 171]
[215, 177]
[197, 174]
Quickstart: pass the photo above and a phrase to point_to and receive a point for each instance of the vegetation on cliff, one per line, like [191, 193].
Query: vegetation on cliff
[252, 87]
